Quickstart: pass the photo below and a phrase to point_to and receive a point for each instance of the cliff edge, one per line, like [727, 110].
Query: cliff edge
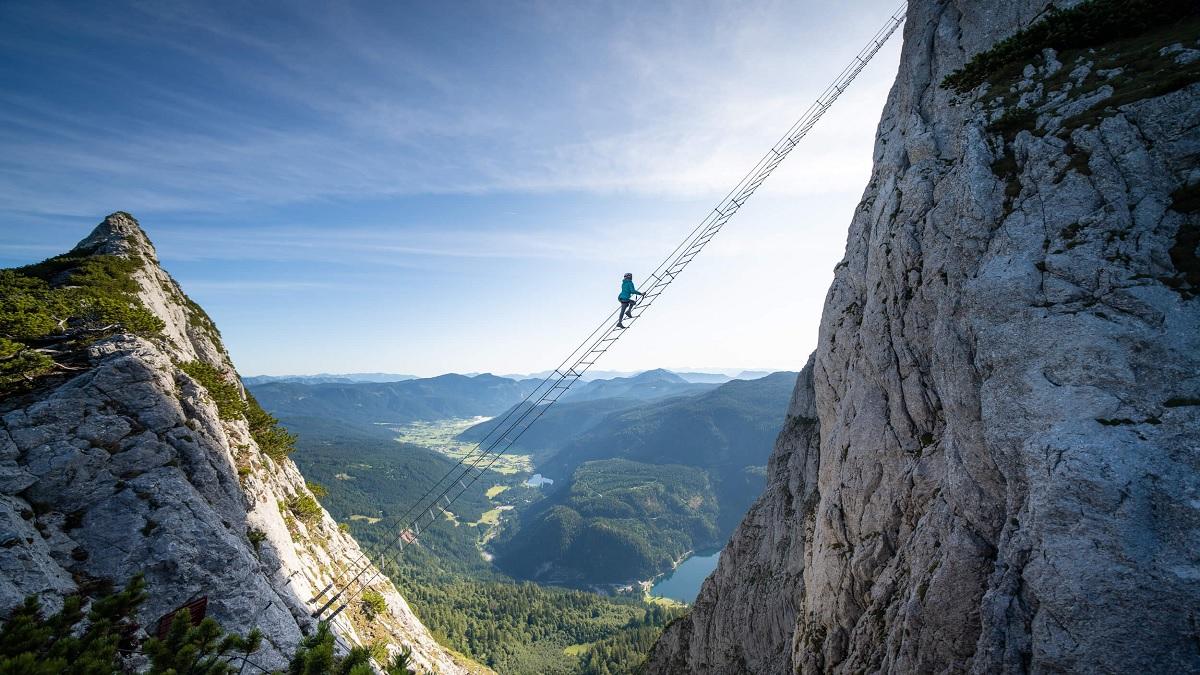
[145, 455]
[992, 461]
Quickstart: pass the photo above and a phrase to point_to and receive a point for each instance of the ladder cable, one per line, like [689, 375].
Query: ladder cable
[502, 435]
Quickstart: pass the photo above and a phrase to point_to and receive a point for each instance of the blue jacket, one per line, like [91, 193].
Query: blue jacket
[627, 290]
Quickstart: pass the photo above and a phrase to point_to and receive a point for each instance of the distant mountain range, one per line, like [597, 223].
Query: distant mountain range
[733, 424]
[652, 384]
[324, 378]
[619, 520]
[590, 376]
[586, 405]
[427, 399]
[646, 467]
[687, 468]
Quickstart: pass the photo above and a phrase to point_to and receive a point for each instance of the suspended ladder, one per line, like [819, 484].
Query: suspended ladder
[428, 510]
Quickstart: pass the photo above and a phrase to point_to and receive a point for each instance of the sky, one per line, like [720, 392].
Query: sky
[428, 187]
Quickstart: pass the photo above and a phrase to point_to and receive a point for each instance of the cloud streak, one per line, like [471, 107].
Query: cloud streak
[329, 104]
[444, 186]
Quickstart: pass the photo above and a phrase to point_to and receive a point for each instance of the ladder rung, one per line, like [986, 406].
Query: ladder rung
[323, 592]
[325, 606]
[338, 611]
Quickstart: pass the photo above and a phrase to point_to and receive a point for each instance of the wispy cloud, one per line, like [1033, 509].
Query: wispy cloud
[408, 246]
[330, 103]
[442, 186]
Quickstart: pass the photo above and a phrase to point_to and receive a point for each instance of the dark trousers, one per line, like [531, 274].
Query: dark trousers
[626, 309]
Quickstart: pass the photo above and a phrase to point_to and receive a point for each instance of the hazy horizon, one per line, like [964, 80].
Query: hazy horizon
[728, 371]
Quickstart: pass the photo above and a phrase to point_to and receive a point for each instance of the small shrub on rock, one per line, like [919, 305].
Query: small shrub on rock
[225, 393]
[1087, 24]
[305, 508]
[272, 438]
[373, 604]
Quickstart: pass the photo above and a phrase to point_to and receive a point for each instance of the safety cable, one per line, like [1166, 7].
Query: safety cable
[506, 432]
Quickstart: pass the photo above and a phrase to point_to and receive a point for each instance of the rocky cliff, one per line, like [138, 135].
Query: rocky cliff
[992, 461]
[131, 465]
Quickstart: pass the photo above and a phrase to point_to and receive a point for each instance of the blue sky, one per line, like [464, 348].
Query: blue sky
[433, 187]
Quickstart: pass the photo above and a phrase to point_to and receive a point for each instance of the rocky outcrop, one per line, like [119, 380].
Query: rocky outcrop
[992, 463]
[130, 467]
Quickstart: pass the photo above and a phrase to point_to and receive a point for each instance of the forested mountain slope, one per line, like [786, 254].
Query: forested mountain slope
[640, 487]
[732, 426]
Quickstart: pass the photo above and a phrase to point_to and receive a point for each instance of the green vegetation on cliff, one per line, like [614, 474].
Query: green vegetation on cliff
[1084, 25]
[51, 311]
[274, 440]
[104, 641]
[97, 642]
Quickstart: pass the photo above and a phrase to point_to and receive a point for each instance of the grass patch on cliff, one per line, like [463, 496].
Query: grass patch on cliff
[305, 508]
[1132, 68]
[51, 311]
[224, 392]
[274, 441]
[373, 604]
[1087, 24]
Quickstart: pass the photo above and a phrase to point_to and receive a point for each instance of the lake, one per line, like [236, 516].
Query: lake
[683, 583]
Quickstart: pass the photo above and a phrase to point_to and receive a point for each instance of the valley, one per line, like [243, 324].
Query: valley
[579, 514]
[443, 436]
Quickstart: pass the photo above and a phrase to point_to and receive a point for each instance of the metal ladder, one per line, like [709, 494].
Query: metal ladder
[508, 430]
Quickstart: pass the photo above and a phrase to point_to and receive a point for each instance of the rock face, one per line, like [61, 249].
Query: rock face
[129, 468]
[992, 462]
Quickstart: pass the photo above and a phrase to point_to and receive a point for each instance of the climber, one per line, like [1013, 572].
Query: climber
[626, 299]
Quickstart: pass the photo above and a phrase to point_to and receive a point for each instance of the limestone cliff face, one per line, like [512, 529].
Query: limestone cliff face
[992, 462]
[128, 467]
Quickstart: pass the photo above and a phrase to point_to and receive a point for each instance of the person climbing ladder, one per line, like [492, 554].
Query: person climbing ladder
[626, 299]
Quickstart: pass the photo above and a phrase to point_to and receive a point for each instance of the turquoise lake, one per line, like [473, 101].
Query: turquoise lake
[683, 583]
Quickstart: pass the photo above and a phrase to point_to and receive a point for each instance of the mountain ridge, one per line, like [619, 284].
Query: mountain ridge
[147, 459]
[425, 399]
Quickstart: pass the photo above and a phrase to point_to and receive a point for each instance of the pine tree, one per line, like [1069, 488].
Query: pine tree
[316, 657]
[33, 645]
[203, 649]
